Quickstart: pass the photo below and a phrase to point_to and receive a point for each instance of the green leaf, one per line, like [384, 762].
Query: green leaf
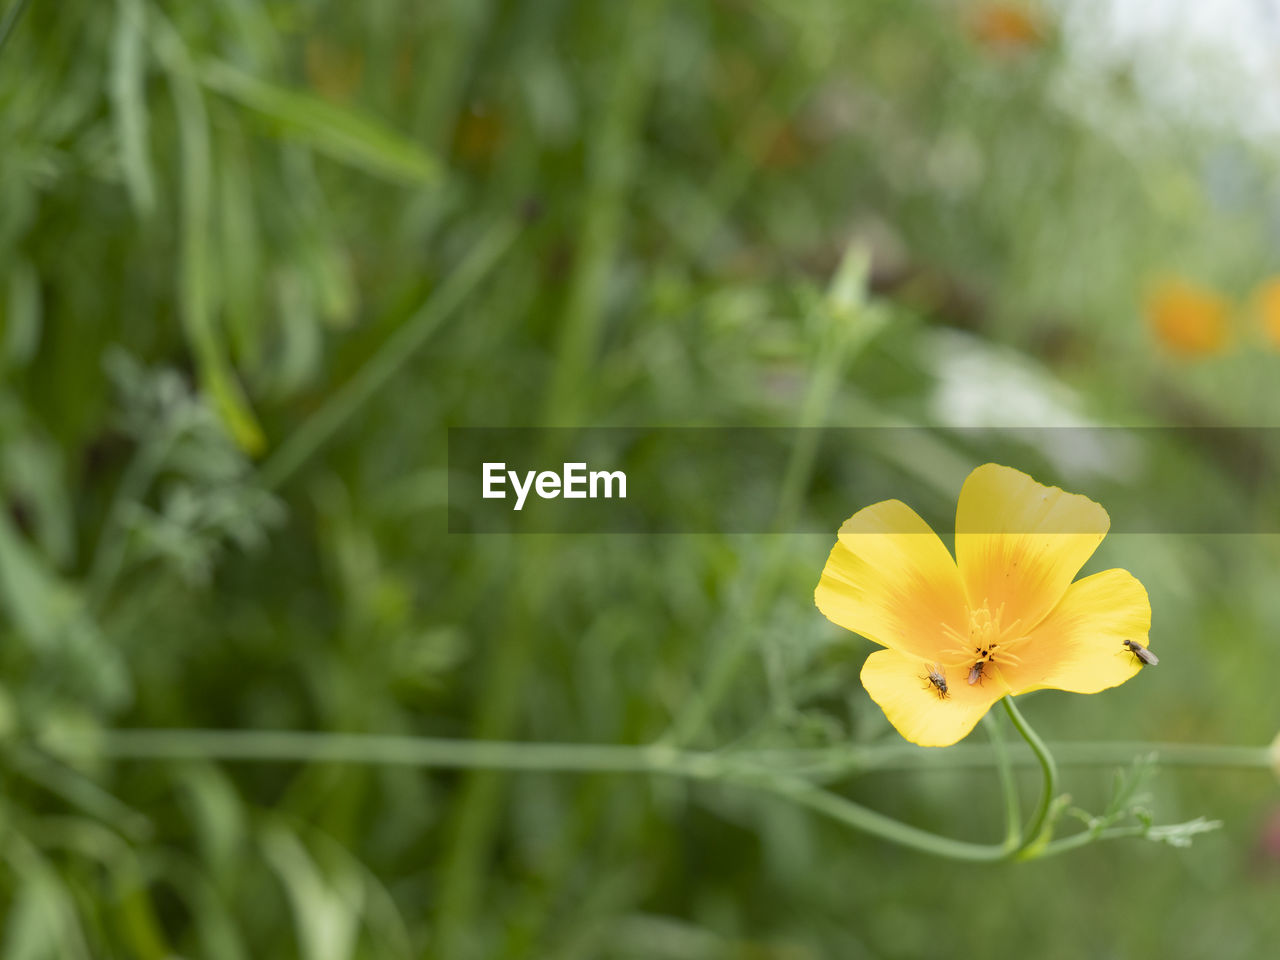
[240, 247]
[39, 605]
[33, 472]
[199, 275]
[218, 820]
[326, 907]
[41, 922]
[1180, 834]
[129, 104]
[342, 134]
[23, 314]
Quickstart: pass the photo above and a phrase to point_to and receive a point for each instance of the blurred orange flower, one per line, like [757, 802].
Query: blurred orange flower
[1267, 304]
[1005, 27]
[1188, 319]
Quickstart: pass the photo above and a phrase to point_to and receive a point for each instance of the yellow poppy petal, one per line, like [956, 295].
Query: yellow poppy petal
[1020, 543]
[899, 684]
[1078, 646]
[892, 580]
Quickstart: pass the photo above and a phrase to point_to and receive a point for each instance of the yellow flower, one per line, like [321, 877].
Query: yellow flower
[1190, 320]
[1003, 617]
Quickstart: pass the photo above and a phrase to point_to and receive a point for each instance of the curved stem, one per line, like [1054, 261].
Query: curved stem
[1038, 824]
[283, 745]
[1008, 788]
[869, 821]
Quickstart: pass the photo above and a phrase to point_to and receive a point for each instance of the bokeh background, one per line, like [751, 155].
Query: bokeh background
[256, 257]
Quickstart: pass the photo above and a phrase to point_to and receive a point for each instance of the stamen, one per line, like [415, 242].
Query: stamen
[987, 637]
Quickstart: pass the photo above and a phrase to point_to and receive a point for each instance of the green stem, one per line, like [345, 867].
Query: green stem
[851, 325]
[612, 160]
[304, 746]
[1008, 788]
[764, 771]
[1038, 823]
[318, 747]
[834, 762]
[307, 746]
[854, 815]
[1168, 754]
[1086, 837]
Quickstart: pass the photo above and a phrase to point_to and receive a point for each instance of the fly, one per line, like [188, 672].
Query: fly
[1145, 656]
[937, 681]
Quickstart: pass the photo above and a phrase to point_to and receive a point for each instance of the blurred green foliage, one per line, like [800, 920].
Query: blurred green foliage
[230, 352]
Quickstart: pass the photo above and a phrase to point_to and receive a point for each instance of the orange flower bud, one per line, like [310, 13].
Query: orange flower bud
[1005, 27]
[1190, 320]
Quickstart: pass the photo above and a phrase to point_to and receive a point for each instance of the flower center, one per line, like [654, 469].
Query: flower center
[987, 642]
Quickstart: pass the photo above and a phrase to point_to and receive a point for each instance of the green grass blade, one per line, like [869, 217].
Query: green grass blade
[198, 276]
[339, 133]
[129, 104]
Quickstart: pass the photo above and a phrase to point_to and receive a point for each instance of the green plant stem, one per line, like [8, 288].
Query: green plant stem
[612, 161]
[196, 281]
[1086, 837]
[834, 762]
[851, 326]
[307, 746]
[1008, 788]
[613, 158]
[390, 357]
[302, 746]
[854, 815]
[1037, 827]
[757, 770]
